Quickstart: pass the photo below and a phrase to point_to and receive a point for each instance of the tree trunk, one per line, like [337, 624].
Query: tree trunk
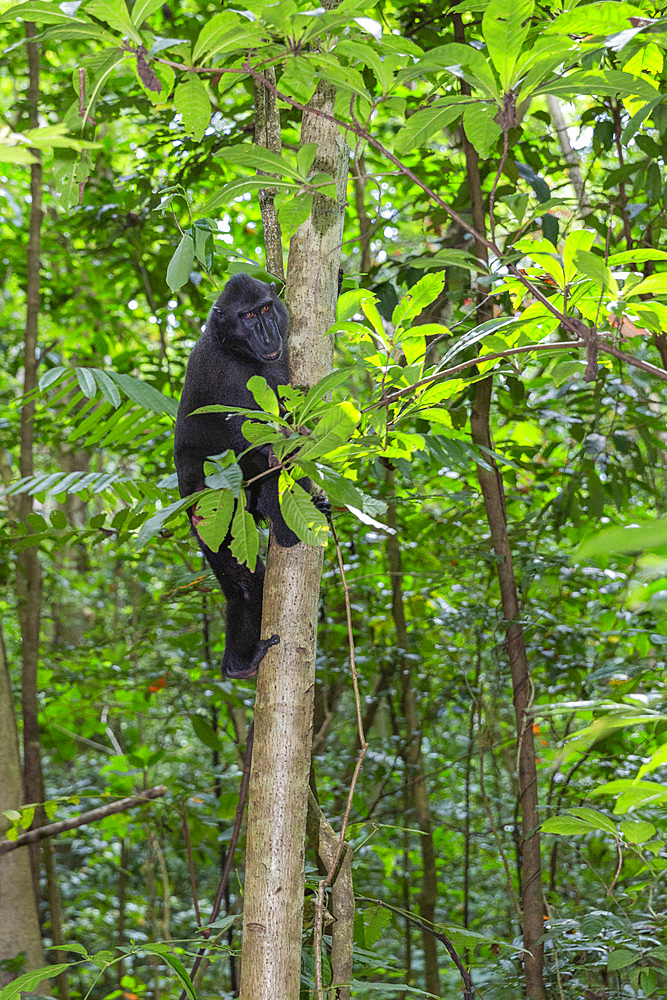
[325, 841]
[19, 925]
[491, 485]
[414, 761]
[532, 904]
[278, 794]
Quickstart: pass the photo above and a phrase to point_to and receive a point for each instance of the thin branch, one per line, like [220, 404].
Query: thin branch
[229, 858]
[326, 882]
[468, 986]
[93, 816]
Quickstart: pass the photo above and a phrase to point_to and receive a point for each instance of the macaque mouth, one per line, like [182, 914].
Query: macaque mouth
[272, 357]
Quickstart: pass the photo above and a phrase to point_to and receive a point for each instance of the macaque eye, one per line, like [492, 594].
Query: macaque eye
[266, 308]
[249, 315]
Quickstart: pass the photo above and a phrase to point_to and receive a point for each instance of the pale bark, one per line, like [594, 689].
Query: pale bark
[325, 840]
[19, 926]
[274, 886]
[268, 134]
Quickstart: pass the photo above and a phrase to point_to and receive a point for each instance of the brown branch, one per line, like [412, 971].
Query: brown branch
[53, 829]
[229, 858]
[342, 846]
[468, 986]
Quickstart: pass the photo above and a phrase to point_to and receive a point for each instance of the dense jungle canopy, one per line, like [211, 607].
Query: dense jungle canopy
[474, 750]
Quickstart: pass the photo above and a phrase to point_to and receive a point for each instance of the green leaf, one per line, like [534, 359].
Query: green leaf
[300, 513]
[342, 492]
[263, 395]
[51, 376]
[613, 541]
[81, 30]
[142, 10]
[350, 303]
[192, 101]
[481, 128]
[259, 158]
[151, 526]
[380, 918]
[245, 542]
[115, 14]
[463, 61]
[215, 509]
[224, 32]
[180, 265]
[505, 27]
[244, 185]
[580, 239]
[598, 83]
[145, 395]
[87, 382]
[637, 831]
[181, 972]
[109, 390]
[39, 11]
[595, 268]
[596, 819]
[305, 157]
[422, 294]
[29, 981]
[230, 478]
[426, 123]
[413, 343]
[655, 284]
[205, 732]
[317, 393]
[335, 427]
[565, 826]
[293, 211]
[16, 154]
[621, 958]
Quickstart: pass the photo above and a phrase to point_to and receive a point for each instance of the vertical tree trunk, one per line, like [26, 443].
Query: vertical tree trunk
[278, 794]
[532, 904]
[325, 841]
[414, 761]
[491, 485]
[19, 926]
[29, 574]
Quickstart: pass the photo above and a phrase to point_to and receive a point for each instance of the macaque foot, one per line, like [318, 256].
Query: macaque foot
[235, 668]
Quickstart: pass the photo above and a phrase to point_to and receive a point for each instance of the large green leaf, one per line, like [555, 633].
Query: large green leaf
[40, 11]
[245, 540]
[426, 123]
[481, 127]
[264, 395]
[215, 509]
[144, 394]
[192, 101]
[421, 294]
[224, 32]
[334, 428]
[115, 14]
[151, 526]
[29, 981]
[615, 541]
[258, 158]
[505, 27]
[180, 265]
[300, 513]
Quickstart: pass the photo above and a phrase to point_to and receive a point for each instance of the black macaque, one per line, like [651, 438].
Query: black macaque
[245, 335]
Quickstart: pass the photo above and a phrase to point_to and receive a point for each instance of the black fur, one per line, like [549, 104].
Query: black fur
[246, 334]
